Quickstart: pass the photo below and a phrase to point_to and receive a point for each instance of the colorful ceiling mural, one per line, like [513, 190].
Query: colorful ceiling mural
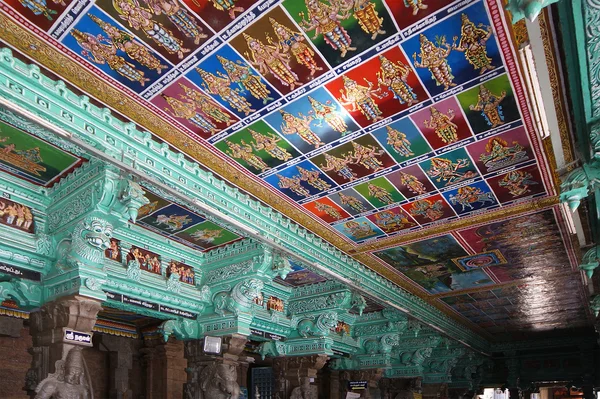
[375, 119]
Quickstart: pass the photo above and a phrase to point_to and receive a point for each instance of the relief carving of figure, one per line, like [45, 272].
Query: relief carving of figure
[68, 382]
[219, 381]
[305, 390]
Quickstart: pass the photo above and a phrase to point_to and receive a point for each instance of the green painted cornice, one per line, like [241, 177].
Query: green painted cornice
[123, 144]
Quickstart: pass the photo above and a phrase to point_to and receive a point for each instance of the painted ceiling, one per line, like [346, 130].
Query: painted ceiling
[396, 130]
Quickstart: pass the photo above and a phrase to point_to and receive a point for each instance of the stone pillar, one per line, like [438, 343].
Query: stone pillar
[47, 329]
[164, 368]
[514, 393]
[372, 376]
[293, 372]
[390, 388]
[231, 365]
[120, 362]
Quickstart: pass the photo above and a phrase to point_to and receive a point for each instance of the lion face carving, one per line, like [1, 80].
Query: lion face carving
[97, 233]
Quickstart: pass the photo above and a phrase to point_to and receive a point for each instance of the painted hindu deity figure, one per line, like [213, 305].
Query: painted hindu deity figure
[436, 60]
[293, 183]
[244, 152]
[206, 235]
[225, 5]
[416, 5]
[100, 50]
[339, 166]
[399, 142]
[300, 125]
[389, 221]
[365, 13]
[380, 193]
[205, 104]
[245, 79]
[472, 43]
[325, 20]
[220, 86]
[466, 196]
[394, 75]
[40, 7]
[498, 154]
[269, 59]
[358, 230]
[187, 110]
[489, 105]
[361, 98]
[328, 113]
[293, 42]
[328, 209]
[352, 202]
[517, 182]
[312, 177]
[179, 17]
[268, 143]
[412, 183]
[446, 170]
[443, 125]
[140, 18]
[425, 208]
[28, 160]
[125, 42]
[366, 155]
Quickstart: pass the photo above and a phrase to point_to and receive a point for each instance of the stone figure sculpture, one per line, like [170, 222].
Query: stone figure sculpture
[219, 381]
[305, 390]
[68, 382]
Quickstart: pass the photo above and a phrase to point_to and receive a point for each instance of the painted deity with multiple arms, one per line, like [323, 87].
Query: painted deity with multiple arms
[269, 59]
[244, 152]
[394, 75]
[380, 193]
[466, 196]
[220, 86]
[328, 209]
[472, 42]
[294, 184]
[140, 18]
[29, 159]
[365, 13]
[361, 98]
[443, 125]
[498, 154]
[179, 17]
[300, 125]
[399, 142]
[312, 177]
[293, 42]
[245, 79]
[68, 382]
[446, 170]
[425, 208]
[352, 202]
[517, 182]
[325, 20]
[40, 7]
[435, 59]
[125, 42]
[187, 110]
[358, 230]
[328, 112]
[100, 50]
[388, 220]
[268, 143]
[339, 166]
[225, 5]
[416, 5]
[413, 184]
[489, 105]
[205, 104]
[366, 155]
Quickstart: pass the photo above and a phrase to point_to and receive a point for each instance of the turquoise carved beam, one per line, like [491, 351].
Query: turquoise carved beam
[529, 9]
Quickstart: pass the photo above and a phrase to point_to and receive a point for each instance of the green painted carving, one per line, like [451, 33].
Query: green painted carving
[89, 239]
[384, 345]
[181, 328]
[240, 298]
[271, 348]
[529, 9]
[26, 294]
[579, 184]
[590, 261]
[173, 283]
[595, 304]
[344, 364]
[415, 358]
[321, 328]
[44, 244]
[134, 273]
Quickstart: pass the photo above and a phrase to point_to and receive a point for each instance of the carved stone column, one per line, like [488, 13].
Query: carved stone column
[391, 387]
[120, 362]
[47, 329]
[292, 372]
[372, 376]
[231, 365]
[164, 368]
